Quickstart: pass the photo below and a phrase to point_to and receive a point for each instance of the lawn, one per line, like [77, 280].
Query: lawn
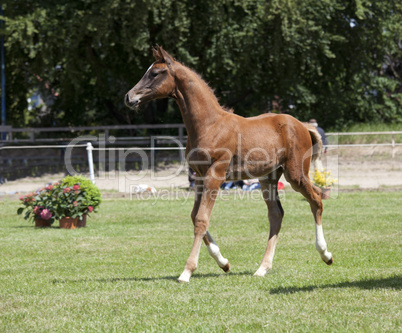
[119, 274]
[367, 139]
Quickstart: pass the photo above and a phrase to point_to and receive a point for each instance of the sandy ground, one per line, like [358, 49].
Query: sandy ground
[364, 172]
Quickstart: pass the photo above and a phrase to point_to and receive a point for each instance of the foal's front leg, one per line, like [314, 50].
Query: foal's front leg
[202, 212]
[213, 248]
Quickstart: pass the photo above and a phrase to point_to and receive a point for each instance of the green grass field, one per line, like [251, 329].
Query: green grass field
[119, 274]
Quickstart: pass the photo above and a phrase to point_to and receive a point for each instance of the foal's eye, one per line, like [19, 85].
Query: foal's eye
[154, 74]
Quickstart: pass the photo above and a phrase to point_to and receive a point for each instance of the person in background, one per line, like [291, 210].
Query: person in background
[230, 185]
[251, 185]
[318, 162]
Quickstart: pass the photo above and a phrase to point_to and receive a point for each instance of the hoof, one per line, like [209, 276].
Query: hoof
[330, 261]
[260, 272]
[184, 277]
[226, 268]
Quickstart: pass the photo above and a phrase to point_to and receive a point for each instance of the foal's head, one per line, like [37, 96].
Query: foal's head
[157, 82]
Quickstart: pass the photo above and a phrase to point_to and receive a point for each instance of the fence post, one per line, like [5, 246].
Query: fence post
[91, 162]
[154, 143]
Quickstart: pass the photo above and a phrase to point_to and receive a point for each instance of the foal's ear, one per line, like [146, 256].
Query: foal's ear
[161, 54]
[157, 54]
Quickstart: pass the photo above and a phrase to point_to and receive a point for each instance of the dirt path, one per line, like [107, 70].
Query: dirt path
[350, 173]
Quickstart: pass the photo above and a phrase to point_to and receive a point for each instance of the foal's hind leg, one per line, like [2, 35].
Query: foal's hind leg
[275, 215]
[301, 183]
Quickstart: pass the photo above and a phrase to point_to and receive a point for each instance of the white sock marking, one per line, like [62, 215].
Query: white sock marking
[320, 243]
[185, 276]
[215, 253]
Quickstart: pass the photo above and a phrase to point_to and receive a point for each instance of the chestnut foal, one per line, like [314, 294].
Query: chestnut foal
[224, 146]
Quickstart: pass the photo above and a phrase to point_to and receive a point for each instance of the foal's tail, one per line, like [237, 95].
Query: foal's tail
[316, 139]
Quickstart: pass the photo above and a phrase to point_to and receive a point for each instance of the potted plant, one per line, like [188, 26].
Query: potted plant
[39, 206]
[81, 197]
[324, 180]
[68, 201]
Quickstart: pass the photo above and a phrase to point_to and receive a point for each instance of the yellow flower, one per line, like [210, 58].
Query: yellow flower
[323, 179]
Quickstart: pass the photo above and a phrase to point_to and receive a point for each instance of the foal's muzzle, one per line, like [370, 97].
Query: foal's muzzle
[132, 103]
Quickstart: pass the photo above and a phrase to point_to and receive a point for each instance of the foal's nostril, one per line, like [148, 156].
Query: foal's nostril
[126, 100]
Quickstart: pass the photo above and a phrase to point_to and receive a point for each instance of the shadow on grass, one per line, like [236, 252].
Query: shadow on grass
[173, 278]
[34, 228]
[392, 282]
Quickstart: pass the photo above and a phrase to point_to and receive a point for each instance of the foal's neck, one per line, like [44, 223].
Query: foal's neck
[198, 105]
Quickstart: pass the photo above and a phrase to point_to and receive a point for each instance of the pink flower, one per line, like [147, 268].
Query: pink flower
[76, 187]
[22, 198]
[75, 203]
[90, 208]
[37, 210]
[46, 214]
[66, 190]
[50, 187]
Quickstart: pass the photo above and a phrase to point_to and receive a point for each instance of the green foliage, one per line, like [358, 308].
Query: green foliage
[92, 192]
[335, 60]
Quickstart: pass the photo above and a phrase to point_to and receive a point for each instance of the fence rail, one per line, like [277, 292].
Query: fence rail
[32, 132]
[364, 133]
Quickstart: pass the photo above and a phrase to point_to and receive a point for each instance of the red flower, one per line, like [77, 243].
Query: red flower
[29, 197]
[76, 187]
[75, 203]
[90, 208]
[50, 187]
[66, 190]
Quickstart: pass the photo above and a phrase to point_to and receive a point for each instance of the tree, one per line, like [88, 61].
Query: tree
[336, 60]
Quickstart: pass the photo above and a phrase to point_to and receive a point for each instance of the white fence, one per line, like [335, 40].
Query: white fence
[179, 147]
[392, 143]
